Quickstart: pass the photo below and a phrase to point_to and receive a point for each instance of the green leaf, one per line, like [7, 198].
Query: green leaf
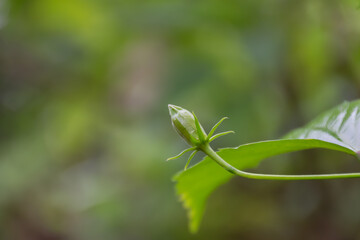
[337, 129]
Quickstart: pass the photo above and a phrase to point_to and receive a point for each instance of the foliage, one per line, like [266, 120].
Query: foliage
[337, 130]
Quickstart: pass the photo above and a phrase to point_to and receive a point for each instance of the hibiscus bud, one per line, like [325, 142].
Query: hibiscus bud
[184, 123]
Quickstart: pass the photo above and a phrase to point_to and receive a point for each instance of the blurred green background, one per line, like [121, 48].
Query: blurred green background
[85, 131]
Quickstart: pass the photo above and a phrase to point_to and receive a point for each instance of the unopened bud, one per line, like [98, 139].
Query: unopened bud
[184, 123]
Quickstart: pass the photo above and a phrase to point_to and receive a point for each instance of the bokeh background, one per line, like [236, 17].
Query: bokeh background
[85, 131]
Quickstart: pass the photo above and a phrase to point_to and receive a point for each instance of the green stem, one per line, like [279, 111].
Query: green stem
[213, 155]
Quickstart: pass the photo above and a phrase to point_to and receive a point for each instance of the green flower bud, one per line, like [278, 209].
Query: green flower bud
[184, 123]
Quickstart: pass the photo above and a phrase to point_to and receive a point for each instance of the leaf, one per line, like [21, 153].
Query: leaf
[337, 129]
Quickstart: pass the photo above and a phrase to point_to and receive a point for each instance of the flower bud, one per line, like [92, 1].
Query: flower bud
[184, 123]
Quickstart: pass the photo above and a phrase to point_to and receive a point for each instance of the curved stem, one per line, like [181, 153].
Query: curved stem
[213, 155]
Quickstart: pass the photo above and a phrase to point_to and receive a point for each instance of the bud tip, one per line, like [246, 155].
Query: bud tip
[173, 109]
